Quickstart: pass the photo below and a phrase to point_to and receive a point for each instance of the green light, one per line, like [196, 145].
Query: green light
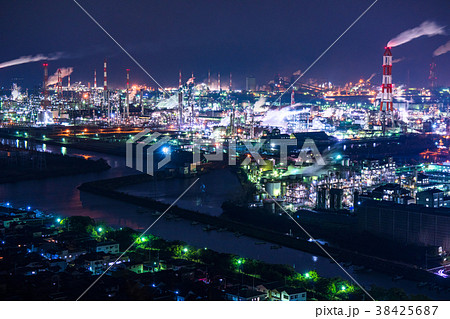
[307, 275]
[143, 239]
[58, 220]
[100, 229]
[185, 250]
[343, 288]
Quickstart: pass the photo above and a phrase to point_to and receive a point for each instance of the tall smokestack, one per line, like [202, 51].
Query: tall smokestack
[105, 80]
[105, 91]
[432, 77]
[142, 105]
[218, 81]
[292, 97]
[59, 84]
[180, 110]
[386, 88]
[231, 82]
[209, 79]
[179, 80]
[95, 78]
[45, 101]
[127, 111]
[68, 81]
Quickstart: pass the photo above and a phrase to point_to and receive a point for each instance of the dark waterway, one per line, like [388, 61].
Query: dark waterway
[61, 196]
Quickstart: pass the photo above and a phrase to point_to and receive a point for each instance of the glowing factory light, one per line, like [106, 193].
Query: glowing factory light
[100, 229]
[58, 220]
[166, 150]
[185, 250]
[343, 288]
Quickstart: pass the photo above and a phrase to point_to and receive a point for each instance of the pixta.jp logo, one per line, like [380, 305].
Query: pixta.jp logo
[140, 154]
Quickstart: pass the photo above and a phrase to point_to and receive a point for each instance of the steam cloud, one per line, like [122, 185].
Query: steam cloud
[442, 49]
[53, 79]
[30, 58]
[259, 105]
[428, 28]
[279, 117]
[397, 60]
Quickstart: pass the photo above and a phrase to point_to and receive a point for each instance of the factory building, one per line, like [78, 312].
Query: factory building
[407, 224]
[431, 198]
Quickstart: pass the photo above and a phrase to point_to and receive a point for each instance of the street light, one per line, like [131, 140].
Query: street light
[100, 229]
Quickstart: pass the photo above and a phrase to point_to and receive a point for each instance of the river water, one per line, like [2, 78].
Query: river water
[61, 197]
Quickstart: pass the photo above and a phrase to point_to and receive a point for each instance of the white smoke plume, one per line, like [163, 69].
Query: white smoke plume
[53, 79]
[442, 49]
[371, 77]
[297, 73]
[259, 105]
[397, 60]
[31, 58]
[279, 117]
[428, 28]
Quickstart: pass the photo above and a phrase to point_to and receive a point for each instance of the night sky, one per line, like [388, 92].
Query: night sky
[260, 38]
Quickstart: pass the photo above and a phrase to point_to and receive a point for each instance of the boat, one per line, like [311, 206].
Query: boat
[156, 213]
[260, 243]
[195, 222]
[275, 247]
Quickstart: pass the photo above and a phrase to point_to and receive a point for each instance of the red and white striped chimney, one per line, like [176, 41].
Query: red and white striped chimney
[386, 88]
[105, 81]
